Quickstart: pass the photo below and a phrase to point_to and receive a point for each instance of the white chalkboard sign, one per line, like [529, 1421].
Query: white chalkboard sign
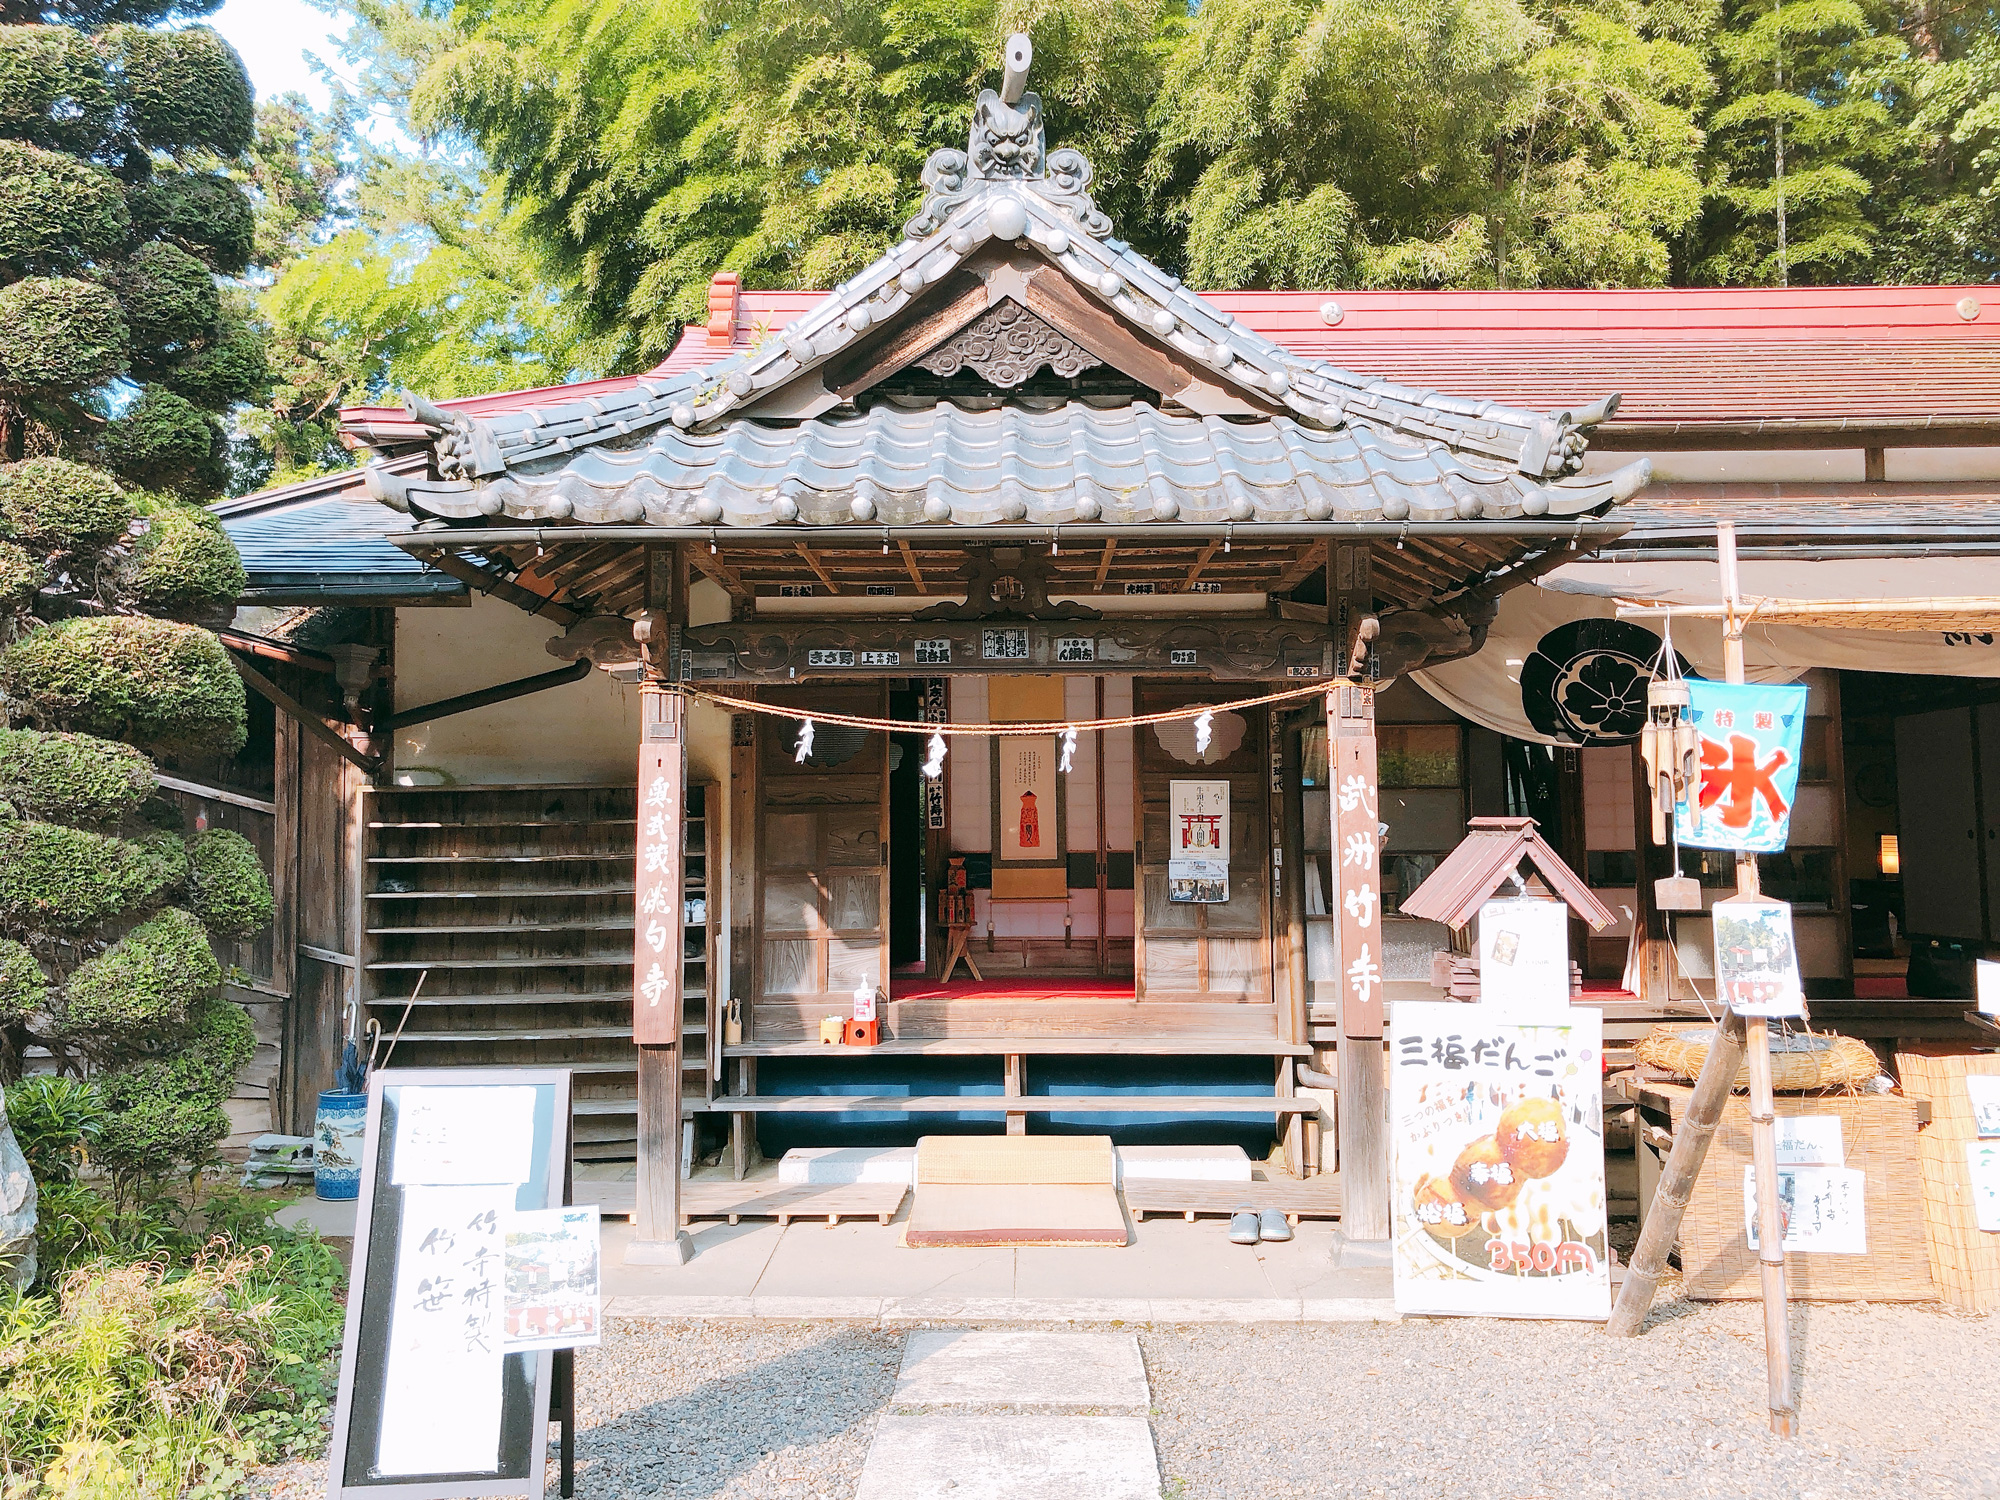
[431, 1403]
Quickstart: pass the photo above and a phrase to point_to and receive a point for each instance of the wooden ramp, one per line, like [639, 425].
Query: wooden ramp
[1311, 1198]
[706, 1198]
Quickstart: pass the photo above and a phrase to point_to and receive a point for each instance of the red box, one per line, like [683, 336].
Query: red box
[863, 1033]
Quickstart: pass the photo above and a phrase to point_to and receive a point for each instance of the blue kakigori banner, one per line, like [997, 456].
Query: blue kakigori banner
[1752, 736]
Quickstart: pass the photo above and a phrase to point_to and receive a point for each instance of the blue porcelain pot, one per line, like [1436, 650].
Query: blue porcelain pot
[338, 1128]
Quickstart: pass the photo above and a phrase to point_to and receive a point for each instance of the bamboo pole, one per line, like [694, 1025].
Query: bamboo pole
[1677, 1179]
[1763, 1136]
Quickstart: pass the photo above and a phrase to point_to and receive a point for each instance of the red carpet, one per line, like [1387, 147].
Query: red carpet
[1881, 987]
[1055, 988]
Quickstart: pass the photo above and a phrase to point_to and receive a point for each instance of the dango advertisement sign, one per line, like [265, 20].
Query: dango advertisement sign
[1498, 1166]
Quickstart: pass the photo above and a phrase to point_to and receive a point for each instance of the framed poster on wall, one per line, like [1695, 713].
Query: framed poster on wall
[1198, 842]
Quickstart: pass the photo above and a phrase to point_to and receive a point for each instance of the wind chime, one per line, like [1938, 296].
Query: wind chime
[1671, 748]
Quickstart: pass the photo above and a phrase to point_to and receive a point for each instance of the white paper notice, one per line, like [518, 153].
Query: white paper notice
[551, 1259]
[1986, 976]
[441, 1391]
[1982, 1162]
[1823, 1209]
[1524, 957]
[1985, 1092]
[1809, 1141]
[457, 1137]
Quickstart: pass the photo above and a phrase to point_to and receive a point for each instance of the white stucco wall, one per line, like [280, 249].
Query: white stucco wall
[584, 731]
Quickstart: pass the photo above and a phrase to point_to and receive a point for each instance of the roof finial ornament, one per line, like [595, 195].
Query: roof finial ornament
[1008, 146]
[1015, 62]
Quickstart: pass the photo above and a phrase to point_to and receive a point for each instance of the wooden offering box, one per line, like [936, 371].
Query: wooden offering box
[1879, 1137]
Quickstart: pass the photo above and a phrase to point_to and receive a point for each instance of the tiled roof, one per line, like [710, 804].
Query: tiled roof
[1074, 463]
[324, 538]
[1696, 355]
[756, 437]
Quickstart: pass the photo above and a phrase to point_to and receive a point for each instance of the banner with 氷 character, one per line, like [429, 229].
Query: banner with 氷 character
[1497, 1173]
[1752, 737]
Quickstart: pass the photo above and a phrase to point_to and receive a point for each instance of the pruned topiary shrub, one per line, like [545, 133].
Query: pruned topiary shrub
[73, 778]
[164, 686]
[166, 1111]
[59, 506]
[184, 566]
[21, 578]
[56, 879]
[144, 985]
[170, 300]
[205, 214]
[182, 88]
[56, 213]
[227, 885]
[163, 441]
[60, 334]
[53, 91]
[24, 988]
[230, 367]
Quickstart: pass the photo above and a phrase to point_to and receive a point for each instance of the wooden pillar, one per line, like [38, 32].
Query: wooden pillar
[657, 937]
[1363, 1117]
[1288, 875]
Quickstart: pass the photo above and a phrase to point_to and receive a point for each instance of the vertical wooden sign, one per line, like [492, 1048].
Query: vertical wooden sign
[1357, 855]
[662, 858]
[1355, 799]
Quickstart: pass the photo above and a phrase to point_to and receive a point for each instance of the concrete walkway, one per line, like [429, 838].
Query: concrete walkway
[1015, 1415]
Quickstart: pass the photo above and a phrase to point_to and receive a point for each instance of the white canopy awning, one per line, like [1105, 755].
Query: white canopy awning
[1486, 688]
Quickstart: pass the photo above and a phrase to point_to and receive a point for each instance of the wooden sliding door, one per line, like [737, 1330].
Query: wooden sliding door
[1201, 951]
[822, 863]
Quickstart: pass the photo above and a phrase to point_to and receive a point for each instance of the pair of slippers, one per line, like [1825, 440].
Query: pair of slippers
[1248, 1226]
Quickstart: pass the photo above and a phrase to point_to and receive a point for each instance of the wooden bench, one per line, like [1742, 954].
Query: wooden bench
[732, 1202]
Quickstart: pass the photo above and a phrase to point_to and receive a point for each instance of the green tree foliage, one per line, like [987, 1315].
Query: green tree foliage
[117, 212]
[587, 167]
[73, 778]
[122, 144]
[160, 685]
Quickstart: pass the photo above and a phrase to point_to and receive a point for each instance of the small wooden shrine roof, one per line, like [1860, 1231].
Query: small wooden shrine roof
[1486, 858]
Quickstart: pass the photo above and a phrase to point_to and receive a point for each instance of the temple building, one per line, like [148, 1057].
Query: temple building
[1076, 672]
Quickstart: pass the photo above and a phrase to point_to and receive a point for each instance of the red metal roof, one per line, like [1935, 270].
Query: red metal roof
[1860, 354]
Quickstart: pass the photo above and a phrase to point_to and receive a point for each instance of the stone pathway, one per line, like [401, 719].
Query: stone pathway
[1014, 1414]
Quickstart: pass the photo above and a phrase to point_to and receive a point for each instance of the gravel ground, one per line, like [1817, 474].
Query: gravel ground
[1895, 1401]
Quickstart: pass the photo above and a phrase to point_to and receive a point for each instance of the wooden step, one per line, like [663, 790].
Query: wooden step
[517, 823]
[547, 999]
[1310, 1198]
[705, 1198]
[1033, 1046]
[575, 961]
[1189, 1105]
[521, 893]
[624, 856]
[500, 929]
[526, 1034]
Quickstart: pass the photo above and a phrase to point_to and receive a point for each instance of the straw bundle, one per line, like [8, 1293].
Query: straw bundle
[1800, 1064]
